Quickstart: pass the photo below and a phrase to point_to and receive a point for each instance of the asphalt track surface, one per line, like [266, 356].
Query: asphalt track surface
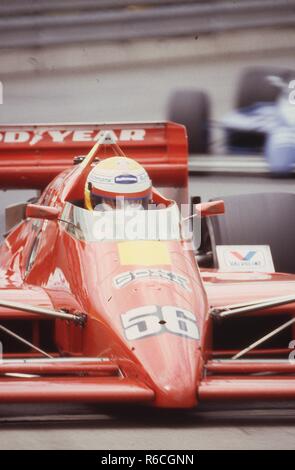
[96, 428]
[128, 95]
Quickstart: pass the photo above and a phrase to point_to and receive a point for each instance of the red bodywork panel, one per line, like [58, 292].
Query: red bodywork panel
[148, 337]
[31, 156]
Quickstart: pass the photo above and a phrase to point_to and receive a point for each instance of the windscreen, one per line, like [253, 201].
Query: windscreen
[155, 223]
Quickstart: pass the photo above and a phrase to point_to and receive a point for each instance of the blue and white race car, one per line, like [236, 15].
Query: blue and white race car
[263, 121]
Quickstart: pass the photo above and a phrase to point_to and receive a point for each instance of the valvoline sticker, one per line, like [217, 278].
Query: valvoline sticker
[126, 179]
[245, 258]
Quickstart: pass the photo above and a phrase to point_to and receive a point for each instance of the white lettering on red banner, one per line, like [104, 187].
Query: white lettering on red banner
[61, 136]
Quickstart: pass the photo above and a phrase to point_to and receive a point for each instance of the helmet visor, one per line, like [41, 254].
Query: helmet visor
[118, 203]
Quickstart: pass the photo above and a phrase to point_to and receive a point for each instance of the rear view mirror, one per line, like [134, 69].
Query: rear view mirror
[207, 209]
[35, 211]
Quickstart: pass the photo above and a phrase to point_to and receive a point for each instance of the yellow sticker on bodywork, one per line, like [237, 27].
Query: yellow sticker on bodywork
[143, 253]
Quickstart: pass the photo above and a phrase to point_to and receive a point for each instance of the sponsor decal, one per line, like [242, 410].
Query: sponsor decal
[242, 256]
[68, 136]
[126, 179]
[245, 258]
[144, 253]
[101, 179]
[151, 320]
[127, 277]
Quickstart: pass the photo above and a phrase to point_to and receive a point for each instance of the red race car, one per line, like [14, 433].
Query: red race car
[89, 315]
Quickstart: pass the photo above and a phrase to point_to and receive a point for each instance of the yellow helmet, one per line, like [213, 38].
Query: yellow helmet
[117, 177]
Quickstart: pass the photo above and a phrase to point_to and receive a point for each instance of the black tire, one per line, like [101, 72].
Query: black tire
[192, 109]
[254, 87]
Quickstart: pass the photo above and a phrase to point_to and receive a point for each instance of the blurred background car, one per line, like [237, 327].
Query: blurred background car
[263, 120]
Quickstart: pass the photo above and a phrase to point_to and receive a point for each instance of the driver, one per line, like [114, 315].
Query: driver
[117, 183]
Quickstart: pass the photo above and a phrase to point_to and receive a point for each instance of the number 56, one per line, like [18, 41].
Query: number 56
[152, 320]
